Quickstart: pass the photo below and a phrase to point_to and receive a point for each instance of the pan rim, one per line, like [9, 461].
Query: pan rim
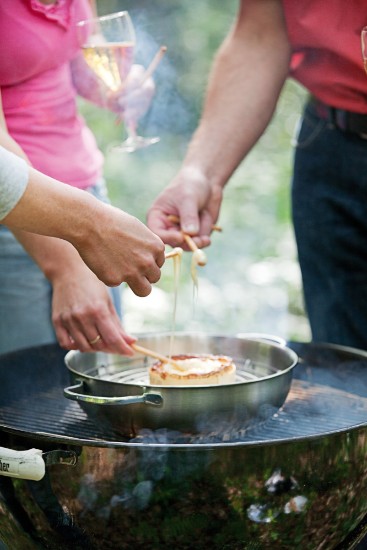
[251, 337]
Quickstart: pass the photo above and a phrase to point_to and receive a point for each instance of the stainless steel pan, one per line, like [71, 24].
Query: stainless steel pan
[116, 389]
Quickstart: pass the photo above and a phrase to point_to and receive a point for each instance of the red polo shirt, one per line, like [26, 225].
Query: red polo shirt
[326, 39]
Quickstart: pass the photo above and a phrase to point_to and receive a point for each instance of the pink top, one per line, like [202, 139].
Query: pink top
[39, 100]
[326, 40]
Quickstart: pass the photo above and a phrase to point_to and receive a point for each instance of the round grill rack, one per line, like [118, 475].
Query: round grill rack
[136, 373]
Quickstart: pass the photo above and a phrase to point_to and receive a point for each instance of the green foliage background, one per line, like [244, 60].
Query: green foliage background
[252, 281]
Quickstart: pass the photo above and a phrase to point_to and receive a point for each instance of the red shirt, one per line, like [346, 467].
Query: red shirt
[326, 39]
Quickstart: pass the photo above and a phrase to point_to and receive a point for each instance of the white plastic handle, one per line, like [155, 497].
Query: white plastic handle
[22, 464]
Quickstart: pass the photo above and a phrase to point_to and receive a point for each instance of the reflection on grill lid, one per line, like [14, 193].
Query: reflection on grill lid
[328, 395]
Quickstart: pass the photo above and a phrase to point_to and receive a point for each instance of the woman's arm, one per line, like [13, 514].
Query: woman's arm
[116, 246]
[81, 304]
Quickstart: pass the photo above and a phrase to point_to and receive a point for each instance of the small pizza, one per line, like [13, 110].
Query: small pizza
[193, 370]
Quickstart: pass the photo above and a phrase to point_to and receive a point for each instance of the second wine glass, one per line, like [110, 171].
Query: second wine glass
[108, 45]
[364, 47]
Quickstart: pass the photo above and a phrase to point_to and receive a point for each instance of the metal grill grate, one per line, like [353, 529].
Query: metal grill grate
[324, 398]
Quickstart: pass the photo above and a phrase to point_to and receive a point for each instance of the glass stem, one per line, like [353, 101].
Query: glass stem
[131, 129]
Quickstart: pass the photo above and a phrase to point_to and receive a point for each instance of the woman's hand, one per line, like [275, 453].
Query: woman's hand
[82, 310]
[120, 248]
[84, 316]
[133, 100]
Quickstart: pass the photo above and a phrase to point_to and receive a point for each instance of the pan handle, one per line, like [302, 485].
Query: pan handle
[263, 338]
[73, 392]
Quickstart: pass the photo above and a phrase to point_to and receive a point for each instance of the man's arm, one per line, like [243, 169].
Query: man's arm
[247, 76]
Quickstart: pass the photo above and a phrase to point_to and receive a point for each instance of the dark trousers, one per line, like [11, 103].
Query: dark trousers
[329, 202]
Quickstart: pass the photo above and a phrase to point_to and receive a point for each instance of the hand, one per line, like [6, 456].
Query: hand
[119, 248]
[134, 99]
[194, 200]
[82, 310]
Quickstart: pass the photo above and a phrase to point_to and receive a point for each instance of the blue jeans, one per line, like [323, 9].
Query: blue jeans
[25, 294]
[329, 203]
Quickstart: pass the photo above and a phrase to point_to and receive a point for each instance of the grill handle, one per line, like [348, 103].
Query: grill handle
[31, 464]
[74, 393]
[22, 464]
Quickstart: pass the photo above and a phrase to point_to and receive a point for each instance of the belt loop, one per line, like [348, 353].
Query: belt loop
[341, 119]
[331, 115]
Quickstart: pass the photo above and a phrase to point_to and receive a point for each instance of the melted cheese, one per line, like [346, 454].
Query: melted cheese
[198, 258]
[194, 365]
[176, 273]
[193, 370]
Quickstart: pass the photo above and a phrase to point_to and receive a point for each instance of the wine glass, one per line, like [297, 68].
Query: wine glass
[108, 45]
[364, 47]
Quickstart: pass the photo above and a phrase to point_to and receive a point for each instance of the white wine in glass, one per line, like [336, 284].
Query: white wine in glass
[108, 45]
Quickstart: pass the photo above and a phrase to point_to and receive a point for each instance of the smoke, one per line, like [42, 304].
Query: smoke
[169, 111]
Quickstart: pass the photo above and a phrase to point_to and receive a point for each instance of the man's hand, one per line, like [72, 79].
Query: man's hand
[191, 198]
